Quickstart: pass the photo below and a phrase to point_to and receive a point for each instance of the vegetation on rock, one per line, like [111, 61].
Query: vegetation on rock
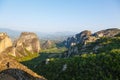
[93, 65]
[88, 57]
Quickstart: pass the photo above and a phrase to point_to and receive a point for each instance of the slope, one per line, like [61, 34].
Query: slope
[11, 67]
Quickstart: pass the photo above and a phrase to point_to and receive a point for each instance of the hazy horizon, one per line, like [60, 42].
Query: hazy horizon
[59, 15]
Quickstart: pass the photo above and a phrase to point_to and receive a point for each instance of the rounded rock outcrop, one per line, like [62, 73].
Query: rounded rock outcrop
[5, 42]
[28, 42]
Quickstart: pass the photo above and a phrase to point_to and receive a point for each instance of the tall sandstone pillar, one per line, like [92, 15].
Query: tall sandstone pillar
[28, 42]
[5, 42]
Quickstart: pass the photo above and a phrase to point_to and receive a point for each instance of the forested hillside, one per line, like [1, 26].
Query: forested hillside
[99, 64]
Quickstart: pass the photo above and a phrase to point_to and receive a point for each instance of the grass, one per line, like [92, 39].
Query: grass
[54, 50]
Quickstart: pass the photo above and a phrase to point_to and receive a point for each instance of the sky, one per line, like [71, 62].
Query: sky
[59, 15]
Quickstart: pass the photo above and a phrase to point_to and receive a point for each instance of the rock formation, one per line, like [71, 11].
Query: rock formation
[107, 33]
[27, 42]
[5, 42]
[78, 38]
[84, 38]
[47, 44]
[10, 69]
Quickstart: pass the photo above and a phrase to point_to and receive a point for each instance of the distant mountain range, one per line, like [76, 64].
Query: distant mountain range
[12, 33]
[44, 36]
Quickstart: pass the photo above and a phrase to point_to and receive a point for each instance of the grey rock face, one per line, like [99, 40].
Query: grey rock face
[71, 41]
[16, 74]
[79, 38]
[84, 38]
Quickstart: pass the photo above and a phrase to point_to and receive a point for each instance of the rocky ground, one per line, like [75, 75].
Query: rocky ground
[12, 69]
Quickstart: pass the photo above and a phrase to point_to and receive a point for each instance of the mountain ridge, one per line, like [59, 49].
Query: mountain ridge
[42, 35]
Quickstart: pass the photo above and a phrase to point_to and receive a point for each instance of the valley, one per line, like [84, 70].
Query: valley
[83, 56]
[59, 39]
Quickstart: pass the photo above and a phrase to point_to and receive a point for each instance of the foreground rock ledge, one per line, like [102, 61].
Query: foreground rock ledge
[13, 70]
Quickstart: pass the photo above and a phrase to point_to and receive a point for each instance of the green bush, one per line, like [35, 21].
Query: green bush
[88, 67]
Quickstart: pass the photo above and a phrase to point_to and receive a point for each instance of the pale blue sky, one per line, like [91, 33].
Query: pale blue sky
[59, 15]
